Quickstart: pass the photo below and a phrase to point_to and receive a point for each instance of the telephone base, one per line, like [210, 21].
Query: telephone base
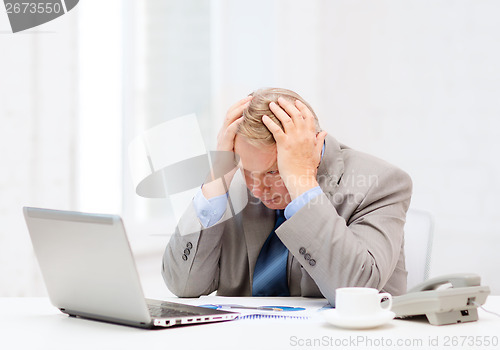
[449, 306]
[452, 317]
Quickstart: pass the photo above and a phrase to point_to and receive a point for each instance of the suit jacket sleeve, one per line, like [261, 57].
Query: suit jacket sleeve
[191, 259]
[361, 252]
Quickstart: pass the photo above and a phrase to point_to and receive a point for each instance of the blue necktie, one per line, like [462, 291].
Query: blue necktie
[269, 277]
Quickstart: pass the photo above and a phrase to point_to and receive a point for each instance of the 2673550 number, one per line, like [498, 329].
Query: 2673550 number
[473, 341]
[34, 7]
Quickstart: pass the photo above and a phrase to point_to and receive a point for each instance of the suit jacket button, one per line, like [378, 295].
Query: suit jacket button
[302, 250]
[307, 256]
[184, 257]
[312, 262]
[189, 245]
[187, 251]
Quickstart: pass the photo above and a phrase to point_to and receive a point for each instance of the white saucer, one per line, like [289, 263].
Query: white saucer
[333, 317]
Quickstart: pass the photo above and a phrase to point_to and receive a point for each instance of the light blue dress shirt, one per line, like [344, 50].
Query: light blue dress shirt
[210, 211]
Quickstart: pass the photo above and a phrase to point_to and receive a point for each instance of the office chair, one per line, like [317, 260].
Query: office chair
[419, 231]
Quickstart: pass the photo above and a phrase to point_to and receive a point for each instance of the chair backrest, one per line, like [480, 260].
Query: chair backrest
[419, 231]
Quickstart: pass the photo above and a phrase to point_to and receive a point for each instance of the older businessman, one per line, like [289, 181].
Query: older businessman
[319, 216]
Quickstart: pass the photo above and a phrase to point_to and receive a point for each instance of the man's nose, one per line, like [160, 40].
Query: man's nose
[259, 188]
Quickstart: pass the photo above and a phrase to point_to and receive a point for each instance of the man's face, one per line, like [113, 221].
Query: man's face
[260, 168]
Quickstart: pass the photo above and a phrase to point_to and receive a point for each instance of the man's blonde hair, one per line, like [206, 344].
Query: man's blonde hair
[252, 126]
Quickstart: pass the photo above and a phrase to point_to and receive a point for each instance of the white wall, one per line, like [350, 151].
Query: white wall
[60, 144]
[38, 99]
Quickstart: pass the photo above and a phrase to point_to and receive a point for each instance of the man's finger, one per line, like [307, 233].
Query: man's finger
[283, 117]
[233, 127]
[273, 128]
[291, 110]
[230, 133]
[236, 112]
[306, 112]
[309, 118]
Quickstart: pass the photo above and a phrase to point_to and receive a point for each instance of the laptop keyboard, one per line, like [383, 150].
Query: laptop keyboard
[164, 312]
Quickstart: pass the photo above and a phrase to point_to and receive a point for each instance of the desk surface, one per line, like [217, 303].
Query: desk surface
[33, 323]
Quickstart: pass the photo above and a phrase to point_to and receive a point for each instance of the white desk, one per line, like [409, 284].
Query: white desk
[33, 323]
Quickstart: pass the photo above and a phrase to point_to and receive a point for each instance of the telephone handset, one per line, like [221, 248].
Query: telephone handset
[457, 280]
[444, 300]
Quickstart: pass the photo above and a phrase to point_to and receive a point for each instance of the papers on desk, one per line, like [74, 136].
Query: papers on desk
[268, 308]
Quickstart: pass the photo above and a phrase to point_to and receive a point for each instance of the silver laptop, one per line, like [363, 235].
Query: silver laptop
[89, 271]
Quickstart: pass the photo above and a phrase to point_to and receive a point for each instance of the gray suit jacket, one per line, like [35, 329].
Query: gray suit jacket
[351, 235]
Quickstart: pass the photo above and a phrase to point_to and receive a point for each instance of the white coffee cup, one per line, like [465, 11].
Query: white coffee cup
[360, 302]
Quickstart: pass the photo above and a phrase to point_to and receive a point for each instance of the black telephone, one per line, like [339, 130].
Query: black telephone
[444, 300]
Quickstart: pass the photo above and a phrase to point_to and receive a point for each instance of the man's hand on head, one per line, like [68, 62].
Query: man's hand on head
[224, 167]
[298, 146]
